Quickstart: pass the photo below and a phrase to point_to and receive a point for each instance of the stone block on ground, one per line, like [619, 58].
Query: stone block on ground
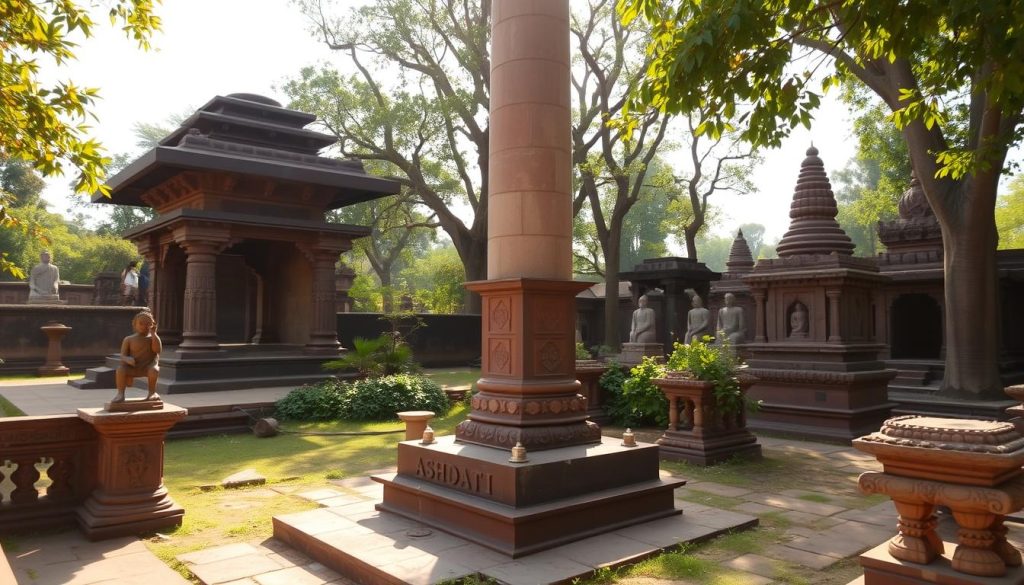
[243, 478]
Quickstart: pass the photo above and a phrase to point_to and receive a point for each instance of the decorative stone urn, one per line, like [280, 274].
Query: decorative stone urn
[706, 435]
[972, 467]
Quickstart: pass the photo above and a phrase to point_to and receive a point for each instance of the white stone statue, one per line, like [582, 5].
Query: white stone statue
[698, 321]
[43, 281]
[731, 324]
[644, 327]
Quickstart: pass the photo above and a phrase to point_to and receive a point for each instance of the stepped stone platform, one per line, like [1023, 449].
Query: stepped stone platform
[350, 536]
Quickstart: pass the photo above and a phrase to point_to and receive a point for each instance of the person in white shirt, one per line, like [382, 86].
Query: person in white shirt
[130, 284]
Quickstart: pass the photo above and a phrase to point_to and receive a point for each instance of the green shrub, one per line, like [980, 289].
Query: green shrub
[615, 405]
[646, 402]
[716, 363]
[381, 398]
[371, 399]
[382, 356]
[321, 401]
[582, 353]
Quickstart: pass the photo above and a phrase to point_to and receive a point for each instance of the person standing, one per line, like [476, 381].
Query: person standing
[130, 284]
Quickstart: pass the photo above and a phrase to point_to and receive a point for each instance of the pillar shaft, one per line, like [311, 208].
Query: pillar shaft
[200, 310]
[323, 327]
[529, 218]
[167, 303]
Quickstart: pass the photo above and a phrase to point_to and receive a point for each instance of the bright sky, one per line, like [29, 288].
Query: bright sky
[210, 48]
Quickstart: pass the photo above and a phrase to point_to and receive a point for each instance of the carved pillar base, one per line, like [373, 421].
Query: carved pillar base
[129, 497]
[54, 333]
[528, 391]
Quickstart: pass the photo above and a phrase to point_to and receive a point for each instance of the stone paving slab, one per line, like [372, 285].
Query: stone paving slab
[790, 503]
[718, 489]
[69, 558]
[756, 564]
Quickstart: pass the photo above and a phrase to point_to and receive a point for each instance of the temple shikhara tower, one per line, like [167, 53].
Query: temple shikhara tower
[816, 349]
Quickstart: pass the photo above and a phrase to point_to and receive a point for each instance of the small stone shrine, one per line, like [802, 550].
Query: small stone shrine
[674, 276]
[242, 261]
[971, 467]
[740, 263]
[816, 350]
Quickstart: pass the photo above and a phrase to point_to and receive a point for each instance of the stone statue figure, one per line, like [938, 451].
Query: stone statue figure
[798, 321]
[643, 329]
[43, 281]
[698, 321]
[140, 356]
[731, 325]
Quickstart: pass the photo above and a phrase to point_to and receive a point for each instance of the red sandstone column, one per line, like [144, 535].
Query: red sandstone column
[200, 296]
[323, 329]
[833, 307]
[528, 392]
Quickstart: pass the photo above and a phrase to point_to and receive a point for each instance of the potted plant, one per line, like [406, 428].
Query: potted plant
[704, 382]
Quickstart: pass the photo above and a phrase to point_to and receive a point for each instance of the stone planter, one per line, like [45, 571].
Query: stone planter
[972, 467]
[703, 435]
[589, 373]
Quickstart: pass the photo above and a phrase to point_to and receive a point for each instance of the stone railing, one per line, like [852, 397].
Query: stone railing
[47, 468]
[100, 469]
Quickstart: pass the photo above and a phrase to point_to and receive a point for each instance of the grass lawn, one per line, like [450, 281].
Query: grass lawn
[292, 463]
[8, 409]
[295, 463]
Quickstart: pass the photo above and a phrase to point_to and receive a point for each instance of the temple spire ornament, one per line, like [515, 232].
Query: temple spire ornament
[813, 228]
[740, 259]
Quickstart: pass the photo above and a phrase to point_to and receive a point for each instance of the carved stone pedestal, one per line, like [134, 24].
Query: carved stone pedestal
[706, 435]
[130, 497]
[55, 332]
[633, 353]
[971, 467]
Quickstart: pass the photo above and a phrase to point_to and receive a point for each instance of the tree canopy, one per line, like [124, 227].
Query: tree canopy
[951, 74]
[45, 123]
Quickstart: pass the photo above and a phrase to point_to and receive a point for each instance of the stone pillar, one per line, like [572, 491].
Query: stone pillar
[758, 295]
[129, 497]
[323, 327]
[166, 302]
[200, 310]
[833, 316]
[528, 392]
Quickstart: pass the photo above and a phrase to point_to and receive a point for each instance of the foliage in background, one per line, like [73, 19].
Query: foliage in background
[868, 190]
[370, 399]
[45, 123]
[426, 119]
[435, 280]
[382, 356]
[611, 382]
[1010, 215]
[79, 253]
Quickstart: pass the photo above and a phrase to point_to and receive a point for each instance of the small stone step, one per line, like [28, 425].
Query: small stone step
[243, 478]
[101, 377]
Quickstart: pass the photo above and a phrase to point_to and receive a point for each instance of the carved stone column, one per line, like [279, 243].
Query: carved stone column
[323, 327]
[758, 295]
[167, 304]
[200, 310]
[833, 315]
[130, 496]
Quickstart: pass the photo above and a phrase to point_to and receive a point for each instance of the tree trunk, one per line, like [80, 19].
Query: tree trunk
[385, 289]
[474, 261]
[611, 286]
[972, 308]
[691, 242]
